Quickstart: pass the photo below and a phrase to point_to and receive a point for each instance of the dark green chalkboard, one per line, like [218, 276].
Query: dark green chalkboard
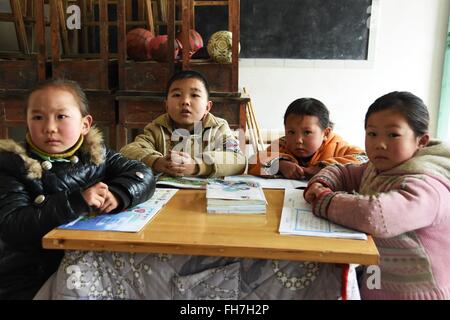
[295, 29]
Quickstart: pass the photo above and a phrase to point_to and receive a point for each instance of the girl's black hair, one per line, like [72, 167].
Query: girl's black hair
[187, 74]
[69, 85]
[310, 107]
[410, 106]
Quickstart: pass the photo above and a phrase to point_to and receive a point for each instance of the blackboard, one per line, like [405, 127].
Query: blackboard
[295, 29]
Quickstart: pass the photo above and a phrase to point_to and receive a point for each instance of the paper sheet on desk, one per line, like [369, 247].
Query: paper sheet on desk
[271, 183]
[298, 219]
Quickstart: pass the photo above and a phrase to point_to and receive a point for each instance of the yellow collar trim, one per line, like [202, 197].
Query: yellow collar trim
[64, 155]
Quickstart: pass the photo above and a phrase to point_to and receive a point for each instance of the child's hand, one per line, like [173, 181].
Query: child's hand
[162, 165]
[95, 196]
[291, 170]
[314, 191]
[181, 164]
[110, 203]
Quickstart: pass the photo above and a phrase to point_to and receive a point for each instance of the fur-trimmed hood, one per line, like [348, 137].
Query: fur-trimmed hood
[92, 145]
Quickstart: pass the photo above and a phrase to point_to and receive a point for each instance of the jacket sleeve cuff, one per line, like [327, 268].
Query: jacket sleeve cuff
[78, 204]
[122, 197]
[150, 160]
[322, 202]
[204, 169]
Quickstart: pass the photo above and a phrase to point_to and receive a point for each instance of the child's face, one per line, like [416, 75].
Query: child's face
[304, 136]
[187, 102]
[54, 120]
[390, 141]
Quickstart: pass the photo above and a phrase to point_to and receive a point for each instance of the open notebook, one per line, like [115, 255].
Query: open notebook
[297, 219]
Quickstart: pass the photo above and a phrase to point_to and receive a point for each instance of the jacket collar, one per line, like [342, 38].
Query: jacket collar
[433, 159]
[92, 145]
[165, 121]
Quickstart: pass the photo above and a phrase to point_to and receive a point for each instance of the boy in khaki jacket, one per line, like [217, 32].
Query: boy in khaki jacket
[188, 140]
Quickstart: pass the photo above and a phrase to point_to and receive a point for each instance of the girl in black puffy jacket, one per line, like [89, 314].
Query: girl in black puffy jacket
[60, 172]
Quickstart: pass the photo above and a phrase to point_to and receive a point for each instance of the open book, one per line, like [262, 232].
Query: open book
[130, 220]
[297, 219]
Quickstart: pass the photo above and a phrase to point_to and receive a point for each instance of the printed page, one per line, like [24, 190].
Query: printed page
[297, 219]
[131, 220]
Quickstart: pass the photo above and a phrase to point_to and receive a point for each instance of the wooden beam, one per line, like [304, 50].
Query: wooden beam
[40, 37]
[104, 42]
[210, 3]
[62, 26]
[149, 13]
[20, 26]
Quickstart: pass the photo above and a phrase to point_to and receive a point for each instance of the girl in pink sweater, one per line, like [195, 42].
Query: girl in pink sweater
[400, 197]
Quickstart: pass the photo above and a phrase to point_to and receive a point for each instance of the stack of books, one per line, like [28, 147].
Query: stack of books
[181, 182]
[239, 197]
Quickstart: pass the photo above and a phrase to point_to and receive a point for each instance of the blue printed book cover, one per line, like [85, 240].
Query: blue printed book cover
[131, 220]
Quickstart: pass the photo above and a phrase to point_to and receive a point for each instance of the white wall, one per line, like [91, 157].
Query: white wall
[408, 54]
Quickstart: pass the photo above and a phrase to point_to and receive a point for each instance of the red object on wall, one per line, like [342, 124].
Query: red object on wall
[138, 44]
[195, 41]
[159, 48]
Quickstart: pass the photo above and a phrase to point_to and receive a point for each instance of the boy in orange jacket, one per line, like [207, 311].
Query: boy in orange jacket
[308, 146]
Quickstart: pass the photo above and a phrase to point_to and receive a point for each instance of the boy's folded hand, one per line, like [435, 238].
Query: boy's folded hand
[178, 157]
[162, 165]
[291, 170]
[181, 164]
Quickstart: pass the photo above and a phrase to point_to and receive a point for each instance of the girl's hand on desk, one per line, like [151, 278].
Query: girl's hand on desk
[314, 191]
[110, 203]
[95, 196]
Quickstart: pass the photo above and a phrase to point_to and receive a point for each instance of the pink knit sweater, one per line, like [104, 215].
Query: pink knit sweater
[407, 210]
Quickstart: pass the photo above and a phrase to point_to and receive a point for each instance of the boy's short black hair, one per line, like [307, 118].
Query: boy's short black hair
[310, 107]
[68, 85]
[187, 74]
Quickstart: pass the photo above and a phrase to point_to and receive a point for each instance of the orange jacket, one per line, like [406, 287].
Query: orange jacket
[333, 150]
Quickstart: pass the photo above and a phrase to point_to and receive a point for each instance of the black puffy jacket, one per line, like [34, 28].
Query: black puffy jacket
[33, 201]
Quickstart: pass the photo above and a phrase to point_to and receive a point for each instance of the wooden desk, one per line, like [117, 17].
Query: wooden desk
[183, 227]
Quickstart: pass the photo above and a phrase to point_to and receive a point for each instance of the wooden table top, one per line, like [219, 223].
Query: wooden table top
[184, 227]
